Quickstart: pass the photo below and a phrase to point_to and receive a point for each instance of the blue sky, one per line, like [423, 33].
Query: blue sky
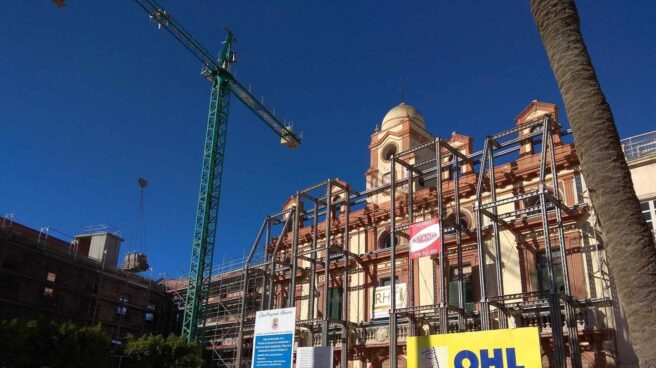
[94, 96]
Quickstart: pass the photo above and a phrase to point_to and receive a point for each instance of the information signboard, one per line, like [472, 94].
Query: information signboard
[273, 344]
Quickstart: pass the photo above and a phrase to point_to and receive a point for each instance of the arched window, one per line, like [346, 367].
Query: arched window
[335, 210]
[465, 222]
[388, 151]
[532, 201]
[387, 178]
[536, 128]
[535, 141]
[384, 240]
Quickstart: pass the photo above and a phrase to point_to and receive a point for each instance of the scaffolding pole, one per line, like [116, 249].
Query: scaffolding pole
[345, 285]
[326, 266]
[392, 313]
[244, 294]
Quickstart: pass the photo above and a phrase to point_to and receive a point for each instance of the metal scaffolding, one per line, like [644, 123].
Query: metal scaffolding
[278, 268]
[488, 222]
[235, 293]
[444, 159]
[282, 263]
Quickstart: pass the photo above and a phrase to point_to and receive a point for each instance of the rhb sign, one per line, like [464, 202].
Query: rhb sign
[425, 238]
[511, 348]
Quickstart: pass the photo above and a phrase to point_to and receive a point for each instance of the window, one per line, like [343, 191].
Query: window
[578, 185]
[385, 281]
[536, 139]
[532, 202]
[48, 292]
[121, 310]
[535, 205]
[649, 212]
[536, 128]
[51, 277]
[467, 286]
[447, 174]
[384, 240]
[15, 265]
[386, 179]
[335, 209]
[335, 303]
[149, 316]
[10, 286]
[542, 270]
[450, 221]
[388, 151]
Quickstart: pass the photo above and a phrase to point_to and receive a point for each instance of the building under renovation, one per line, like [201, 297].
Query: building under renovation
[78, 280]
[520, 247]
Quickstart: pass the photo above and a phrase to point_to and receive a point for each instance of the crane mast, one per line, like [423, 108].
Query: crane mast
[217, 72]
[209, 194]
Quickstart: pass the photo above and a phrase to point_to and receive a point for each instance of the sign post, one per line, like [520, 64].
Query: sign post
[273, 338]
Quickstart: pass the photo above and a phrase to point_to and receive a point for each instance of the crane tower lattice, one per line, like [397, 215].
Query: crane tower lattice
[217, 72]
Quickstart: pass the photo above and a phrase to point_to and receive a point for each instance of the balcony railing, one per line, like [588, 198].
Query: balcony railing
[639, 146]
[588, 319]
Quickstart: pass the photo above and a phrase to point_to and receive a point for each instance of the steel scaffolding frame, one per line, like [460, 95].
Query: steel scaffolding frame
[279, 262]
[257, 274]
[426, 170]
[495, 146]
[232, 298]
[325, 209]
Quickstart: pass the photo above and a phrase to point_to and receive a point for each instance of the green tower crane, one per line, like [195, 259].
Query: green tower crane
[223, 83]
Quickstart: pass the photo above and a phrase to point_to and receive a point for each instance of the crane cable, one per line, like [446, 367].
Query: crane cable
[140, 238]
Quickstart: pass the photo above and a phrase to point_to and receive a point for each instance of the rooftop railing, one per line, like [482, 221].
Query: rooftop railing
[639, 146]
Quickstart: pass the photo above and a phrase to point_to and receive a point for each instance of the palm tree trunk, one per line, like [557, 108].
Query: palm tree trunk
[629, 243]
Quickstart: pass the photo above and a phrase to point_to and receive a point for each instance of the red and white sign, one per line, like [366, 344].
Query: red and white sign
[425, 238]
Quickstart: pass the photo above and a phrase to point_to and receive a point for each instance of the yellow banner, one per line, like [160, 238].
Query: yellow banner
[512, 348]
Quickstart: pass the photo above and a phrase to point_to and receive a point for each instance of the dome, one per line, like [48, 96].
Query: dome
[401, 113]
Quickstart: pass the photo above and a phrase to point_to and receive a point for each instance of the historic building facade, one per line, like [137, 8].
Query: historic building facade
[520, 247]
